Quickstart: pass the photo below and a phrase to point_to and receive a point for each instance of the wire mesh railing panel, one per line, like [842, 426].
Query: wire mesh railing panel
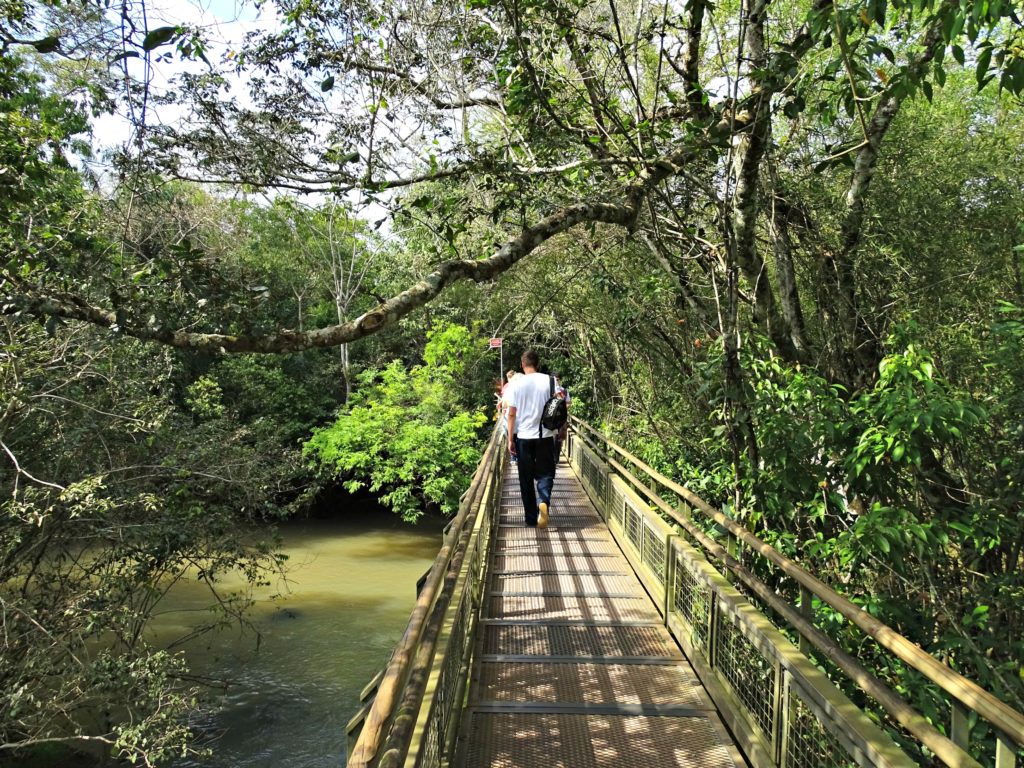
[692, 599]
[748, 672]
[446, 704]
[587, 468]
[430, 752]
[596, 477]
[634, 528]
[654, 550]
[808, 744]
[478, 564]
[433, 729]
[616, 506]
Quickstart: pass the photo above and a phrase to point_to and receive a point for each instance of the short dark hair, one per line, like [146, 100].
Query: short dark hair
[530, 359]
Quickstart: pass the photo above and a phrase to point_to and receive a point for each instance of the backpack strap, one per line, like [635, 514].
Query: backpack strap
[540, 426]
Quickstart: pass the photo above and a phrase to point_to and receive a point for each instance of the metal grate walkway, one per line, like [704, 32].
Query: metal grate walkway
[574, 668]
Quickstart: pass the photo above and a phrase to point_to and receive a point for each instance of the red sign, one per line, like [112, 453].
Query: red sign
[495, 342]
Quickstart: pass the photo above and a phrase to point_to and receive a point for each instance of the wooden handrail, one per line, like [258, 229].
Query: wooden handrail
[915, 723]
[396, 748]
[1003, 717]
[407, 656]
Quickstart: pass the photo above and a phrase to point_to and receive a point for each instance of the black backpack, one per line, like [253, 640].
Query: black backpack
[555, 412]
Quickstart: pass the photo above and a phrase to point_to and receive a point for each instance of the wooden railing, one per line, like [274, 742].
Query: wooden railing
[413, 717]
[765, 676]
[784, 709]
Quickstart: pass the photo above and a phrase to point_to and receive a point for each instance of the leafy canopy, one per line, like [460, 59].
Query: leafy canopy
[407, 434]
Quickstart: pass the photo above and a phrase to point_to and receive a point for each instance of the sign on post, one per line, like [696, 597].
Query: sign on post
[495, 342]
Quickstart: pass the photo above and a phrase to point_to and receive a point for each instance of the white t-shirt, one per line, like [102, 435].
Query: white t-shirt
[527, 393]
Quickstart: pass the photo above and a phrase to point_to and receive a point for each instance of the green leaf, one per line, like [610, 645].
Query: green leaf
[125, 55]
[327, 84]
[877, 9]
[47, 44]
[980, 72]
[958, 54]
[157, 37]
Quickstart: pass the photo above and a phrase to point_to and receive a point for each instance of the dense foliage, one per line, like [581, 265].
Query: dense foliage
[410, 435]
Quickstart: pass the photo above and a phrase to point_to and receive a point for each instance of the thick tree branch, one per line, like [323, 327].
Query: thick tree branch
[381, 316]
[878, 127]
[789, 296]
[838, 276]
[27, 300]
[689, 69]
[746, 205]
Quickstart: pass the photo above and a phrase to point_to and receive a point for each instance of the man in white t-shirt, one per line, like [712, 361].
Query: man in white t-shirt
[534, 445]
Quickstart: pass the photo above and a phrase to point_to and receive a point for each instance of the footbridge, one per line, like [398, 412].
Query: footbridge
[639, 629]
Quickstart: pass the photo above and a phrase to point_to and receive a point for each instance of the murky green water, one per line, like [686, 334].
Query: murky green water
[351, 587]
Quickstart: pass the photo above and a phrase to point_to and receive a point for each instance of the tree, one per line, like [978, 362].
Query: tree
[91, 539]
[410, 436]
[354, 99]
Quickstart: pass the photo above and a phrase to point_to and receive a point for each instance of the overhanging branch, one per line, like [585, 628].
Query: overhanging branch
[27, 300]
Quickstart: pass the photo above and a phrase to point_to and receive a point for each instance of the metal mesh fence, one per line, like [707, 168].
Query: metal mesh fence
[617, 506]
[693, 601]
[634, 528]
[809, 744]
[654, 552]
[430, 754]
[447, 706]
[751, 676]
[593, 476]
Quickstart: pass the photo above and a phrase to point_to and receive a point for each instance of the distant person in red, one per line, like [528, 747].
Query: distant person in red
[530, 441]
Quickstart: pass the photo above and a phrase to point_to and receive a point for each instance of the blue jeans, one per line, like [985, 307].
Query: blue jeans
[536, 464]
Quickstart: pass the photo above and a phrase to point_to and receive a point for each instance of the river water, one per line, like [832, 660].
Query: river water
[351, 587]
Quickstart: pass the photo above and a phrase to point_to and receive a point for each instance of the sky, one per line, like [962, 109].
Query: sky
[225, 24]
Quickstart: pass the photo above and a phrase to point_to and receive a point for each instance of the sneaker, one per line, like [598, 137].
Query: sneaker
[542, 521]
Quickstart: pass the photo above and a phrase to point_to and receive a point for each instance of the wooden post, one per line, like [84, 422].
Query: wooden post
[960, 729]
[732, 546]
[1006, 751]
[807, 611]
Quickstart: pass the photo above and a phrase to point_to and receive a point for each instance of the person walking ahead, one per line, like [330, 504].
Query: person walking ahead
[535, 445]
